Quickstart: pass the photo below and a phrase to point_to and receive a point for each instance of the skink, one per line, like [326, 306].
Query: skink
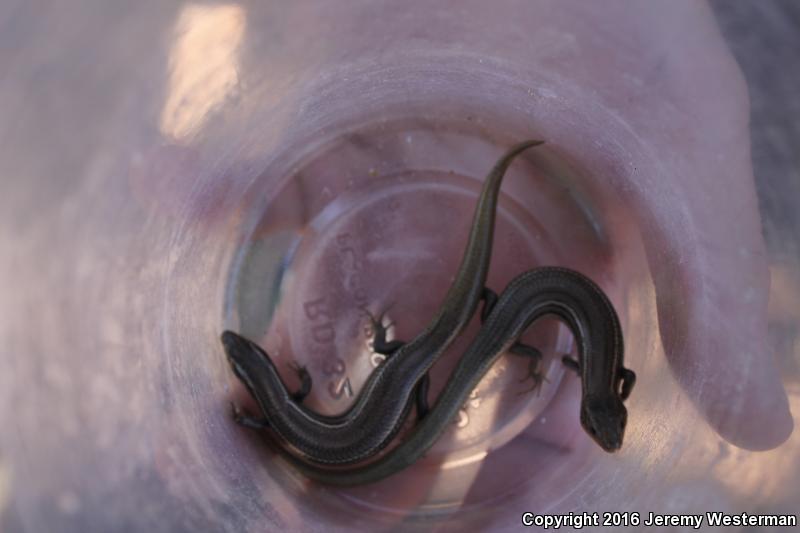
[605, 382]
[384, 402]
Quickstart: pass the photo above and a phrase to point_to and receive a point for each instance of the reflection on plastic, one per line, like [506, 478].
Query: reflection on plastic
[203, 65]
[142, 149]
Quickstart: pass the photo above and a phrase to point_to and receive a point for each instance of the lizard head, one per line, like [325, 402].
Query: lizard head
[243, 355]
[604, 419]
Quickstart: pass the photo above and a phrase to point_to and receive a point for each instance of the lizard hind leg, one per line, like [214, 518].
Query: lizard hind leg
[489, 298]
[628, 378]
[534, 358]
[379, 343]
[305, 382]
[571, 364]
[245, 419]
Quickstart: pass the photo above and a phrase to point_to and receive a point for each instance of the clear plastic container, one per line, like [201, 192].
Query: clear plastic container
[277, 169]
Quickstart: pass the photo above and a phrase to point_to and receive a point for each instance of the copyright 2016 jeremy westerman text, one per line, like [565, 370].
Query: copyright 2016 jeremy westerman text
[651, 519]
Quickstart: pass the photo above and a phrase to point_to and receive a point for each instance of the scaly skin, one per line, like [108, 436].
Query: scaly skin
[384, 402]
[568, 295]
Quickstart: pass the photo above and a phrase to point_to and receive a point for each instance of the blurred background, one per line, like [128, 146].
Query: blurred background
[169, 169]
